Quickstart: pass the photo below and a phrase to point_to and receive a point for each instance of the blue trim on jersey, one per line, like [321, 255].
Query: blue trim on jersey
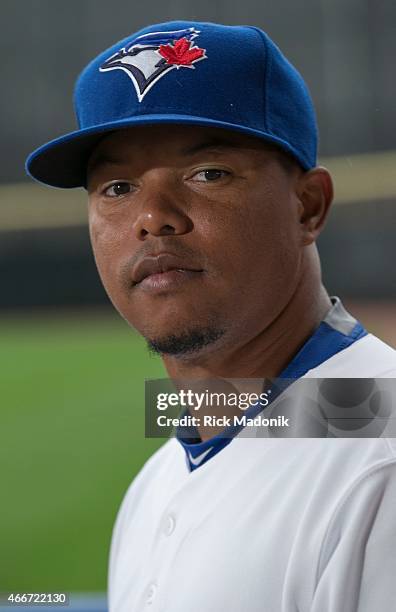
[325, 342]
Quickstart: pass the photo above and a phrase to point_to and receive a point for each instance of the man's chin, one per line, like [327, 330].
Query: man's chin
[186, 343]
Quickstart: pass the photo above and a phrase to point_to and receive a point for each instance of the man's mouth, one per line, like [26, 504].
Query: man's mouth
[162, 272]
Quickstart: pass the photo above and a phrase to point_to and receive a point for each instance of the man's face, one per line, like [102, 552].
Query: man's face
[195, 233]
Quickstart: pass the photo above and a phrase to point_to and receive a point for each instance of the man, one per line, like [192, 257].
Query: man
[197, 147]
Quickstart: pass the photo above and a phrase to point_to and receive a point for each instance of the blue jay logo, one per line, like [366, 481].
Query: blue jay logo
[152, 55]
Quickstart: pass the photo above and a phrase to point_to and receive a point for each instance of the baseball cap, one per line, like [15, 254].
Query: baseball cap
[190, 73]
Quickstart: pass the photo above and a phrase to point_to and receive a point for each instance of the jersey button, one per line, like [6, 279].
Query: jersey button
[170, 525]
[151, 593]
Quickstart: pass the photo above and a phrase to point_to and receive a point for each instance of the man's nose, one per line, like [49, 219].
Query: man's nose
[161, 213]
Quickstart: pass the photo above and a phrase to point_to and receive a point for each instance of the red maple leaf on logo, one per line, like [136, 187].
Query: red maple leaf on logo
[181, 53]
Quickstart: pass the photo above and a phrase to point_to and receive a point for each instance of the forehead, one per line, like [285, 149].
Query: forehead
[177, 139]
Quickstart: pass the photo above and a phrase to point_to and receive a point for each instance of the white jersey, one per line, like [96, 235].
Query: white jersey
[266, 525]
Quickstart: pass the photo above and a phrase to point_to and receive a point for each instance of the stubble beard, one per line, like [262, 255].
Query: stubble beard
[186, 343]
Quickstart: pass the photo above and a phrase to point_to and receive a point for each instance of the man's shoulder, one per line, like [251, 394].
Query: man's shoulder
[167, 463]
[365, 358]
[168, 457]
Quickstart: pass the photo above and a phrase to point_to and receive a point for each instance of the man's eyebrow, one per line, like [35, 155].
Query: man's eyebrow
[213, 143]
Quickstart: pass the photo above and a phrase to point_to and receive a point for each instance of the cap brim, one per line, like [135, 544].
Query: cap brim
[63, 162]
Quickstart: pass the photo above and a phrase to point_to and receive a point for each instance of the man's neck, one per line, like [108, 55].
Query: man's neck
[264, 356]
[268, 352]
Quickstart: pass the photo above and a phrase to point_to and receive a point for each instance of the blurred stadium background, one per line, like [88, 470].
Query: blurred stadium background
[72, 372]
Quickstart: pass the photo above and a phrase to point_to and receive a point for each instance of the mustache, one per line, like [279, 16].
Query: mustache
[179, 250]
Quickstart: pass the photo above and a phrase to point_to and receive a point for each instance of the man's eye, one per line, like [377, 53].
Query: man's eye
[118, 189]
[210, 175]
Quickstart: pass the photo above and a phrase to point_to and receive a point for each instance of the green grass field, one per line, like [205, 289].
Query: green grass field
[72, 439]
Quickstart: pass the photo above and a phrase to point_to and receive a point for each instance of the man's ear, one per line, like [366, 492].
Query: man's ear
[315, 194]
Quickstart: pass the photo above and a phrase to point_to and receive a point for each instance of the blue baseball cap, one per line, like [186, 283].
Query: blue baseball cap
[190, 73]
